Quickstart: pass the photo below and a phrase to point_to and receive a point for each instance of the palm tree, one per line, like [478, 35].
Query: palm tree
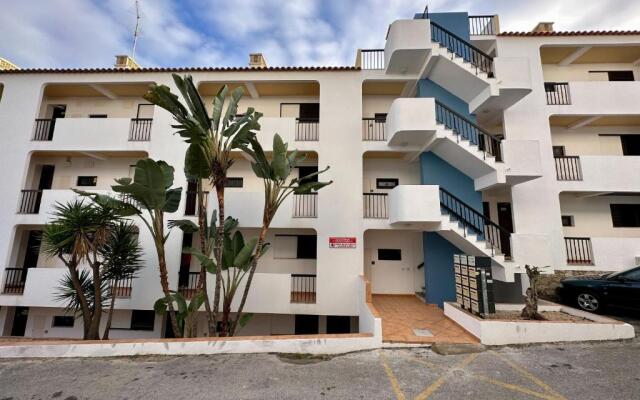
[149, 196]
[75, 236]
[67, 293]
[275, 174]
[122, 259]
[211, 140]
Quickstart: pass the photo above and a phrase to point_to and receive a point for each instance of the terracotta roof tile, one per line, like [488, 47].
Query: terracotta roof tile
[174, 69]
[572, 33]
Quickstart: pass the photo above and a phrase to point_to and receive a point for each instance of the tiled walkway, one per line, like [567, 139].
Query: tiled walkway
[402, 314]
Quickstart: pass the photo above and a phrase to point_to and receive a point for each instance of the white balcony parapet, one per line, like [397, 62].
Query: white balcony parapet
[82, 134]
[599, 98]
[407, 46]
[598, 173]
[415, 205]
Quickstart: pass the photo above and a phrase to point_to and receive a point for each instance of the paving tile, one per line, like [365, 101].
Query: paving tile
[402, 314]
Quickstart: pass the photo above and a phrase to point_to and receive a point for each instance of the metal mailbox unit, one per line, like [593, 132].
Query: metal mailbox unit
[474, 284]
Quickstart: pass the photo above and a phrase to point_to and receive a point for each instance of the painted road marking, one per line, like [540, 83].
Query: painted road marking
[548, 394]
[392, 377]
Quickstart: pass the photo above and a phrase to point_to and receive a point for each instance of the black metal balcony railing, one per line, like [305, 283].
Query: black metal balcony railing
[498, 238]
[14, 279]
[375, 205]
[307, 129]
[305, 205]
[188, 284]
[140, 129]
[121, 288]
[461, 48]
[579, 250]
[30, 201]
[483, 25]
[373, 129]
[568, 168]
[303, 288]
[43, 129]
[557, 93]
[466, 129]
[191, 200]
[372, 59]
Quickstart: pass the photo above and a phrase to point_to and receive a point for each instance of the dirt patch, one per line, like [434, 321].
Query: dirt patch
[549, 315]
[301, 358]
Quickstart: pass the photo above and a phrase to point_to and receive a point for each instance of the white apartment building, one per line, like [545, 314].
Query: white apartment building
[454, 138]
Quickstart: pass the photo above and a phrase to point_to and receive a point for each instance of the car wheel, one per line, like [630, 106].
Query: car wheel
[589, 302]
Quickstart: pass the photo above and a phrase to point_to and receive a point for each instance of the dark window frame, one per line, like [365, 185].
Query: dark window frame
[307, 247]
[630, 145]
[389, 254]
[93, 178]
[139, 323]
[384, 181]
[63, 321]
[568, 220]
[98, 116]
[234, 182]
[558, 151]
[625, 215]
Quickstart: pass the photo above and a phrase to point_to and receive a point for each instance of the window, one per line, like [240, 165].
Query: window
[389, 255]
[63, 321]
[633, 275]
[620, 75]
[567, 220]
[307, 247]
[625, 215]
[558, 151]
[387, 183]
[630, 145]
[295, 247]
[305, 171]
[309, 112]
[234, 182]
[549, 87]
[380, 117]
[97, 115]
[142, 320]
[338, 324]
[306, 324]
[87, 181]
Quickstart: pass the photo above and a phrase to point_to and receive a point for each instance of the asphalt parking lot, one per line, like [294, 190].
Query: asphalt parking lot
[560, 371]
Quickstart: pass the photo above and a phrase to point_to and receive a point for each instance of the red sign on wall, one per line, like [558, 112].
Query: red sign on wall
[342, 242]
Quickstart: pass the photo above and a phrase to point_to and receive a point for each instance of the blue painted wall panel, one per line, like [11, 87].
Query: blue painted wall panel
[438, 271]
[436, 171]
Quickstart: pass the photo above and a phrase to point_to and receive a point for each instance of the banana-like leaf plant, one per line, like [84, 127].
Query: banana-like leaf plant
[275, 173]
[150, 196]
[211, 138]
[186, 313]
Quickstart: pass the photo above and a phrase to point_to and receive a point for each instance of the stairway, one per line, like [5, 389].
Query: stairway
[474, 233]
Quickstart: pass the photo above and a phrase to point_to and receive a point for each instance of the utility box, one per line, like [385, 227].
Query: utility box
[474, 284]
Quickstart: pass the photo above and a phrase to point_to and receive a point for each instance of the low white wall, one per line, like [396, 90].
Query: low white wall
[415, 204]
[496, 332]
[605, 174]
[367, 321]
[336, 344]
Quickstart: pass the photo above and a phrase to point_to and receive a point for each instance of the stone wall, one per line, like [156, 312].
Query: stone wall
[549, 283]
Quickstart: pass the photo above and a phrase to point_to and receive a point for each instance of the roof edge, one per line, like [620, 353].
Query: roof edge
[175, 69]
[572, 33]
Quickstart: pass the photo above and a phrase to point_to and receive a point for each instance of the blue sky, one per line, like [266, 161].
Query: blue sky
[89, 33]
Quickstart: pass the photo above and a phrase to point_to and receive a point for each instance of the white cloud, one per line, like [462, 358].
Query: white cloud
[72, 33]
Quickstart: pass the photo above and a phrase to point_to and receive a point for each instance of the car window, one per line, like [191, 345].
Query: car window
[633, 275]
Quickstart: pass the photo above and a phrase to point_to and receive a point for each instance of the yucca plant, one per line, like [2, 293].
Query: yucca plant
[75, 236]
[211, 139]
[122, 260]
[150, 196]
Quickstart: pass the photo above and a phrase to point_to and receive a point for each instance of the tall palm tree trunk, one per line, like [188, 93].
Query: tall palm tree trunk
[107, 328]
[202, 278]
[164, 276]
[72, 265]
[219, 185]
[94, 327]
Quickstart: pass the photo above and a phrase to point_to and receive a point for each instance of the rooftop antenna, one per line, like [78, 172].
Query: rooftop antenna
[425, 13]
[135, 32]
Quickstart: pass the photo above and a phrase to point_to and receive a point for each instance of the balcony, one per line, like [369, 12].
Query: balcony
[606, 173]
[484, 25]
[375, 205]
[594, 98]
[86, 134]
[305, 205]
[36, 206]
[14, 279]
[373, 129]
[579, 251]
[407, 46]
[415, 205]
[188, 284]
[303, 288]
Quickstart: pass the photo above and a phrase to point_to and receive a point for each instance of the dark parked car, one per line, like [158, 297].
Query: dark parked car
[595, 292]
